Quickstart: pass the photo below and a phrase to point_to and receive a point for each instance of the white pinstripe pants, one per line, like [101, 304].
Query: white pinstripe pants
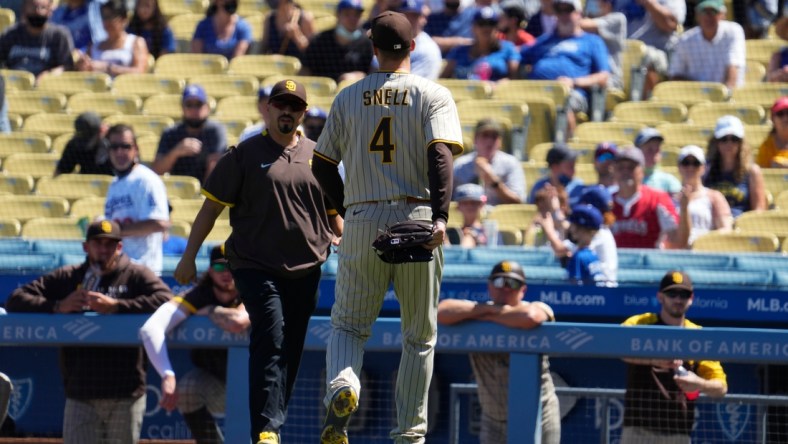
[103, 421]
[362, 282]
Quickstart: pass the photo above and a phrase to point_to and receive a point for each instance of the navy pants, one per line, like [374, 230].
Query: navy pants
[279, 310]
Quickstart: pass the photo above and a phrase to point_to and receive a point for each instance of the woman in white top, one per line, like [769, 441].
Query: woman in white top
[708, 209]
[121, 52]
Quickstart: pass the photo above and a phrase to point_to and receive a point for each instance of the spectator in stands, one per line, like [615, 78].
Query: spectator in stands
[287, 29]
[438, 20]
[200, 393]
[470, 203]
[604, 155]
[506, 287]
[759, 15]
[777, 71]
[149, 23]
[459, 31]
[35, 45]
[645, 217]
[425, 59]
[583, 265]
[731, 169]
[511, 24]
[571, 56]
[83, 20]
[544, 21]
[121, 52]
[193, 146]
[262, 107]
[713, 51]
[659, 405]
[487, 57]
[561, 174]
[314, 122]
[136, 200]
[656, 23]
[344, 52]
[105, 386]
[649, 140]
[601, 19]
[549, 225]
[88, 149]
[774, 150]
[222, 31]
[708, 209]
[499, 173]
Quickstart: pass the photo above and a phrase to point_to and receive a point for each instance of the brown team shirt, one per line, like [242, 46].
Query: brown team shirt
[277, 209]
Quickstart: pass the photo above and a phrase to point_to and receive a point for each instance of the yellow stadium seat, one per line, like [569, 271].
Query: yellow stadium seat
[233, 125]
[16, 183]
[18, 80]
[25, 208]
[172, 8]
[16, 121]
[240, 107]
[734, 242]
[680, 134]
[761, 50]
[510, 235]
[28, 103]
[255, 21]
[225, 85]
[512, 111]
[690, 92]
[190, 65]
[323, 103]
[146, 85]
[756, 134]
[773, 221]
[90, 207]
[650, 113]
[184, 209]
[148, 146]
[586, 173]
[754, 72]
[59, 143]
[781, 201]
[763, 94]
[533, 171]
[248, 7]
[74, 186]
[513, 215]
[585, 151]
[532, 89]
[72, 82]
[469, 131]
[7, 18]
[262, 66]
[34, 164]
[319, 6]
[10, 227]
[142, 124]
[462, 89]
[220, 232]
[104, 104]
[186, 188]
[670, 156]
[50, 124]
[23, 142]
[169, 105]
[455, 217]
[631, 57]
[606, 131]
[53, 228]
[775, 179]
[708, 113]
[314, 85]
[180, 228]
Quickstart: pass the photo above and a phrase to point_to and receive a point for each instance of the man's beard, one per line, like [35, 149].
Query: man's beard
[286, 126]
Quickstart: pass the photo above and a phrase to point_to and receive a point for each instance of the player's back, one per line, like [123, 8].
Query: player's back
[381, 126]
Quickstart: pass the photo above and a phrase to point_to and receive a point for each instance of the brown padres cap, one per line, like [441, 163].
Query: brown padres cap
[217, 255]
[391, 31]
[288, 89]
[510, 269]
[106, 228]
[675, 280]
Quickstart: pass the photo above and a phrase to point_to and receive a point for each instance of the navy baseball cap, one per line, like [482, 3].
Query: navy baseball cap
[316, 113]
[647, 134]
[598, 197]
[586, 216]
[603, 148]
[412, 6]
[559, 153]
[350, 4]
[485, 14]
[193, 92]
[217, 255]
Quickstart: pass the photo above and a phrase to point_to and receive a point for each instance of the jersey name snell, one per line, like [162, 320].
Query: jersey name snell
[386, 96]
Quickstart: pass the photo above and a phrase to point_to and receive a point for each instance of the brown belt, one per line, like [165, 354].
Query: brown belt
[407, 199]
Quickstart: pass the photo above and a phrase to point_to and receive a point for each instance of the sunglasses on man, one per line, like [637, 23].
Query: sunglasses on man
[283, 105]
[681, 294]
[506, 282]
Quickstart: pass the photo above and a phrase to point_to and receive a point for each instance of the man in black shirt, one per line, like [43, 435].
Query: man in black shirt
[88, 148]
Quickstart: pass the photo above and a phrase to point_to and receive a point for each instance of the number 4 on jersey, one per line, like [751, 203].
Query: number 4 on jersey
[381, 140]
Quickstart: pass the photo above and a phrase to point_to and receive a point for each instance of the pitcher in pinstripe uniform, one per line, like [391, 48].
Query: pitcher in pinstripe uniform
[396, 133]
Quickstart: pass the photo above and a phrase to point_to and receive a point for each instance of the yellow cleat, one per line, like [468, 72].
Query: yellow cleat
[343, 404]
[268, 438]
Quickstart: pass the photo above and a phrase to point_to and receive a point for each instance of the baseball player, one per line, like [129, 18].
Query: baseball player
[396, 133]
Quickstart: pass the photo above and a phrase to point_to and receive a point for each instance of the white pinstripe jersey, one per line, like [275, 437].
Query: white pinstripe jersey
[381, 127]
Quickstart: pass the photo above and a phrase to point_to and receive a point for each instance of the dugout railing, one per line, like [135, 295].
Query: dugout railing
[525, 348]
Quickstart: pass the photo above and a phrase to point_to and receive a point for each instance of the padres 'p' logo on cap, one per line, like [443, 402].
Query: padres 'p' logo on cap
[506, 266]
[106, 226]
[290, 85]
[678, 278]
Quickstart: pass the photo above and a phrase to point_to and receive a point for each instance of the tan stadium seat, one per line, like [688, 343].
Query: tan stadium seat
[606, 131]
[146, 85]
[220, 232]
[233, 125]
[35, 164]
[170, 105]
[324, 22]
[59, 143]
[74, 186]
[733, 242]
[513, 215]
[773, 221]
[510, 235]
[72, 82]
[143, 124]
[190, 65]
[690, 92]
[90, 207]
[262, 66]
[226, 85]
[184, 209]
[148, 146]
[247, 7]
[763, 94]
[10, 227]
[775, 179]
[756, 134]
[53, 228]
[455, 216]
[533, 171]
[680, 134]
[15, 120]
[469, 130]
[464, 89]
[531, 89]
[781, 201]
[23, 142]
[7, 18]
[16, 183]
[238, 107]
[171, 8]
[754, 72]
[650, 113]
[25, 208]
[27, 103]
[104, 104]
[761, 50]
[708, 113]
[585, 151]
[50, 124]
[185, 188]
[180, 228]
[512, 111]
[314, 85]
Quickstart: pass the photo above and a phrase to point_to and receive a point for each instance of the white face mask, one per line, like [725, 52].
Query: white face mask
[347, 35]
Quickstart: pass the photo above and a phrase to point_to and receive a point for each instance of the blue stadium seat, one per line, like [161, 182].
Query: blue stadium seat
[529, 256]
[781, 278]
[455, 255]
[537, 274]
[14, 246]
[56, 246]
[466, 271]
[38, 262]
[71, 259]
[639, 276]
[761, 261]
[330, 266]
[630, 258]
[729, 278]
[663, 260]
